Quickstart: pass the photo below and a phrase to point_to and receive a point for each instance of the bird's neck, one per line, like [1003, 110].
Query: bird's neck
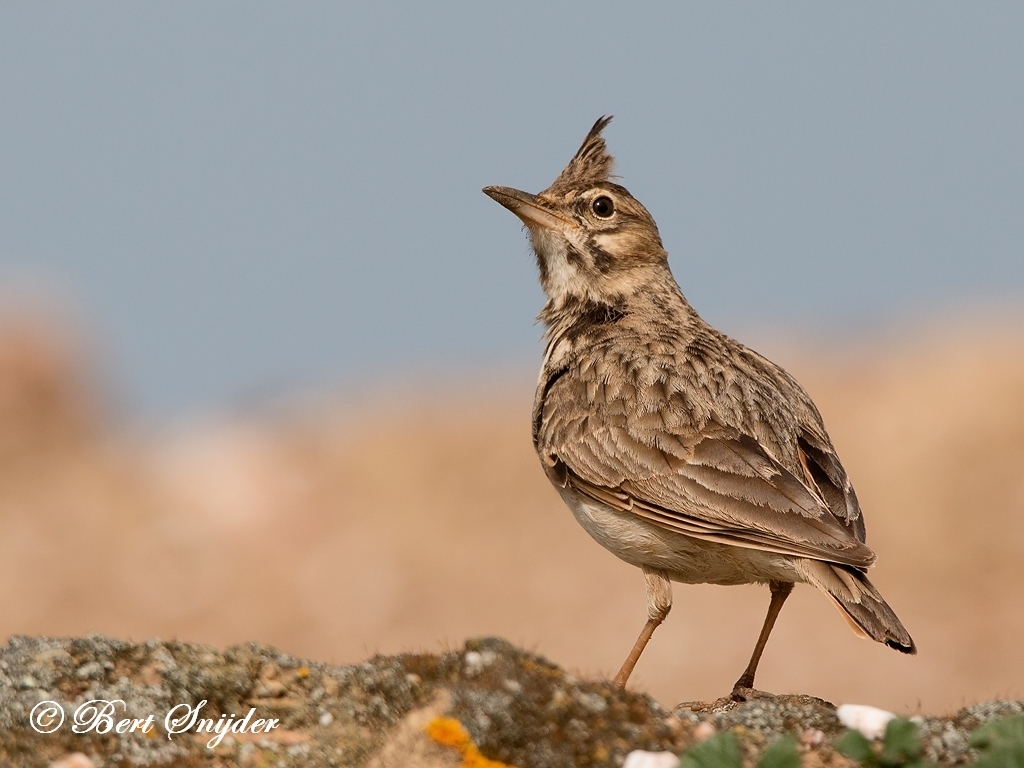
[648, 299]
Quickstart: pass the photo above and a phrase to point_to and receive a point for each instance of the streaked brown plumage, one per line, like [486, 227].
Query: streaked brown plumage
[677, 448]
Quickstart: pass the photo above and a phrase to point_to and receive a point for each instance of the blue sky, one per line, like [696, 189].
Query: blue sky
[239, 199]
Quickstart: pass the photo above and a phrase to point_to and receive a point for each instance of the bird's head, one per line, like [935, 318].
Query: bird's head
[594, 241]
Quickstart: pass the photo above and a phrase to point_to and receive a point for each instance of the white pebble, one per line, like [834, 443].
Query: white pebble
[326, 718]
[870, 721]
[74, 760]
[640, 759]
[704, 731]
[812, 737]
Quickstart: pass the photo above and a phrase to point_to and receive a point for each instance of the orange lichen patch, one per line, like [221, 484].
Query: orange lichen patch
[450, 732]
[302, 671]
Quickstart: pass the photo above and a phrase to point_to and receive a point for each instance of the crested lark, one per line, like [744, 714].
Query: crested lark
[676, 447]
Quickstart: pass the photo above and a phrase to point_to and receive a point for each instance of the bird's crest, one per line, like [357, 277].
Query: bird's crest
[592, 163]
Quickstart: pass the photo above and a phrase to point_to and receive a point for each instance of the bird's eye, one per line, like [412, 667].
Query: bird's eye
[603, 207]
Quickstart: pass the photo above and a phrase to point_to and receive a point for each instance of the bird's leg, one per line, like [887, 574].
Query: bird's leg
[659, 602]
[780, 591]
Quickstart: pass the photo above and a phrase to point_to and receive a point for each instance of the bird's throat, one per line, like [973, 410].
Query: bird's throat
[562, 266]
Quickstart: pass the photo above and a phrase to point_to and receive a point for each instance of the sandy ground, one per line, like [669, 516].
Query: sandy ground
[387, 522]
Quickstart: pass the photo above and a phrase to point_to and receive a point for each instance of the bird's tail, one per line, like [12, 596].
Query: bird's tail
[864, 609]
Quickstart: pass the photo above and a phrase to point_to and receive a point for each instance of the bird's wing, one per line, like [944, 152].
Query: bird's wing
[718, 483]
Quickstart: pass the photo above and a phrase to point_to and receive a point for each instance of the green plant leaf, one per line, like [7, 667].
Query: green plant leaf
[720, 751]
[781, 754]
[1006, 730]
[854, 745]
[1002, 757]
[1001, 743]
[901, 743]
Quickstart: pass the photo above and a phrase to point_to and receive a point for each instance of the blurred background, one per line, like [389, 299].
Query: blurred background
[267, 354]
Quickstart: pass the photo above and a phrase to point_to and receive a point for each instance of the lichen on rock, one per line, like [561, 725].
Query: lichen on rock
[510, 707]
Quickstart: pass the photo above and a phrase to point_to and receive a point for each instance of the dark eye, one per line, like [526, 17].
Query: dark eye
[603, 207]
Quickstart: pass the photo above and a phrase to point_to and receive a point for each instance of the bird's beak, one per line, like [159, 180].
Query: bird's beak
[526, 207]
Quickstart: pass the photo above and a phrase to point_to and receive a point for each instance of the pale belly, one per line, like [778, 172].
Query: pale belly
[682, 558]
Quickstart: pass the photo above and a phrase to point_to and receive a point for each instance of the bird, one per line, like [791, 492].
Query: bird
[677, 448]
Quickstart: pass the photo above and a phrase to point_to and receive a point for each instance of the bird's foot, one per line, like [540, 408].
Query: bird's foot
[742, 693]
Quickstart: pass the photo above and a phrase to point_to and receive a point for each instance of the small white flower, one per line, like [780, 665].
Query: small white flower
[640, 759]
[870, 721]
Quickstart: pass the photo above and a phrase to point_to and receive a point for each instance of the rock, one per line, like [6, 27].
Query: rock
[488, 703]
[764, 716]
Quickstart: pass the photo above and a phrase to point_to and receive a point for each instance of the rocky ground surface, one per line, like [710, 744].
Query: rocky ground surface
[488, 701]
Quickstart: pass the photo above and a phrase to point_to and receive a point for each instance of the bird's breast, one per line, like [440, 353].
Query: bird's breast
[684, 559]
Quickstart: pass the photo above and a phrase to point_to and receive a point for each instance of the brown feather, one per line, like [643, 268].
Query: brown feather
[591, 163]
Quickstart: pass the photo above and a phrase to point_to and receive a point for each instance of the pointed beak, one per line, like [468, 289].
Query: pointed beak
[526, 207]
